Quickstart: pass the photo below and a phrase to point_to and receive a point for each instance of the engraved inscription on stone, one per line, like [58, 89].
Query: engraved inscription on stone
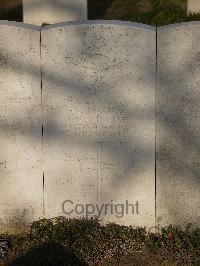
[99, 109]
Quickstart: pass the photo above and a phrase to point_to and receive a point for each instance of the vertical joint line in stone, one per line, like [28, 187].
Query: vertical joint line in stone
[41, 86]
[97, 171]
[156, 77]
[87, 8]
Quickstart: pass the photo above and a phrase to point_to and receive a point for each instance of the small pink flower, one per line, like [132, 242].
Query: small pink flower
[170, 236]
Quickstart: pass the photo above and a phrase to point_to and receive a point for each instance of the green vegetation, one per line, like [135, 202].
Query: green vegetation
[11, 10]
[62, 241]
[153, 12]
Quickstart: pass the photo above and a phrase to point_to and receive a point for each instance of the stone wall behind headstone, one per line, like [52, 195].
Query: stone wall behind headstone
[38, 12]
[193, 6]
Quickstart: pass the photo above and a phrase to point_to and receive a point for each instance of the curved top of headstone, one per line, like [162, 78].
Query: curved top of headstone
[101, 22]
[178, 25]
[19, 25]
[98, 22]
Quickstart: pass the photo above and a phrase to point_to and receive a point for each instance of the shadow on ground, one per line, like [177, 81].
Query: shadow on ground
[50, 254]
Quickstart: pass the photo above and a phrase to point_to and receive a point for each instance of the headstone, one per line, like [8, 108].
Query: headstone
[21, 194]
[99, 121]
[193, 6]
[178, 125]
[53, 11]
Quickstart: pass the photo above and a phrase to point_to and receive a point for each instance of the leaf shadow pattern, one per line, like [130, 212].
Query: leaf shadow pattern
[131, 155]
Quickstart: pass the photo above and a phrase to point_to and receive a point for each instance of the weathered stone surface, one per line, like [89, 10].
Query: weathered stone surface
[53, 11]
[99, 134]
[178, 124]
[20, 125]
[99, 126]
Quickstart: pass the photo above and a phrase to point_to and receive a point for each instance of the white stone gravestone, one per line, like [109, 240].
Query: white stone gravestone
[99, 117]
[178, 124]
[193, 6]
[21, 185]
[53, 11]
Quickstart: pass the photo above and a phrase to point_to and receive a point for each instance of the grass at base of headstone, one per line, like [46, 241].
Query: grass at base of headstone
[61, 241]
